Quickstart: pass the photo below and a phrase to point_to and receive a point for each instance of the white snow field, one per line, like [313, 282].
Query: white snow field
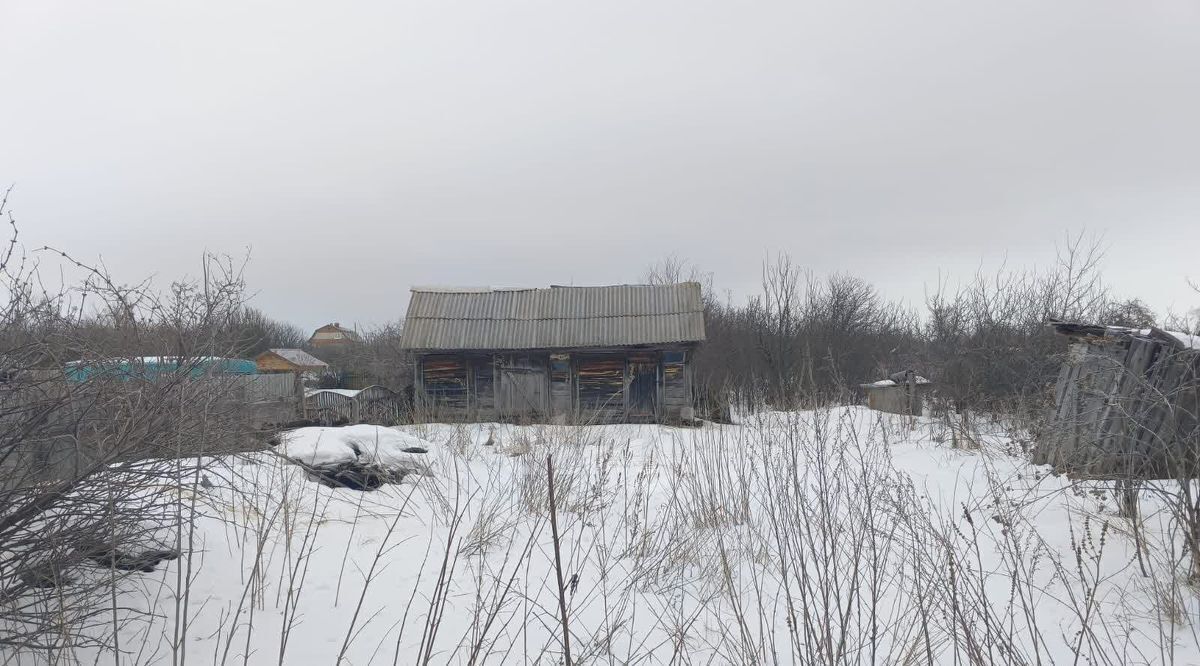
[837, 536]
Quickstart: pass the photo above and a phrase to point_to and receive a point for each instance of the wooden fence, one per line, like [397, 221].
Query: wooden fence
[263, 388]
[374, 404]
[83, 423]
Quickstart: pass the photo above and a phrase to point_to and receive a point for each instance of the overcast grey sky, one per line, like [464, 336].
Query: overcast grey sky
[362, 147]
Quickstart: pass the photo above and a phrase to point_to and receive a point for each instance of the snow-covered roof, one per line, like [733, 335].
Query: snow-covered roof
[1188, 340]
[1185, 339]
[349, 393]
[888, 382]
[1176, 338]
[299, 357]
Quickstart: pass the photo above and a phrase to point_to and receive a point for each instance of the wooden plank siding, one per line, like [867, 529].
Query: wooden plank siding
[1126, 406]
[524, 388]
[443, 383]
[330, 408]
[483, 383]
[677, 382]
[577, 354]
[577, 386]
[600, 382]
[562, 384]
[373, 404]
[271, 363]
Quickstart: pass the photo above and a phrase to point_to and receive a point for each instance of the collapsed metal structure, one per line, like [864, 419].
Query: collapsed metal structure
[1127, 404]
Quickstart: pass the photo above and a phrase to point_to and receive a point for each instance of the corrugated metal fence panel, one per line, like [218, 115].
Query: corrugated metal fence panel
[559, 317]
[263, 388]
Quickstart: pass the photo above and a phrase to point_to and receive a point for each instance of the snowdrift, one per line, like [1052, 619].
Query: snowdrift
[360, 457]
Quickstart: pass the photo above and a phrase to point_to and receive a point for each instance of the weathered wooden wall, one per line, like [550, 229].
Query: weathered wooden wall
[1125, 407]
[562, 398]
[483, 383]
[329, 407]
[524, 386]
[273, 363]
[600, 388]
[677, 384]
[443, 384]
[584, 386]
[375, 404]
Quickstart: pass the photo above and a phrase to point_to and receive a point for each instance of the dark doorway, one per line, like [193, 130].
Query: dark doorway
[643, 387]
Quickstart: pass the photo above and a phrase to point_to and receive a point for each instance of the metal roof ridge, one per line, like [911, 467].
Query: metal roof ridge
[570, 318]
[447, 289]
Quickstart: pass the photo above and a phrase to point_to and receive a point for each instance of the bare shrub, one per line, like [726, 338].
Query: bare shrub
[108, 397]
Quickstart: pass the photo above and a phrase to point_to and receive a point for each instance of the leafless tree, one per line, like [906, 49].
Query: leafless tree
[379, 357]
[107, 397]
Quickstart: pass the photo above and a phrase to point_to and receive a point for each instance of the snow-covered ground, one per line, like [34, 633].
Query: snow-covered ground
[832, 536]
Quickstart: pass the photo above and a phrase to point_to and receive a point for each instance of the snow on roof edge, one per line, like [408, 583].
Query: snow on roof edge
[919, 380]
[443, 289]
[349, 393]
[1186, 340]
[298, 357]
[439, 289]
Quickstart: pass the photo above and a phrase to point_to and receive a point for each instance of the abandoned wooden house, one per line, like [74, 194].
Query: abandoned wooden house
[1127, 404]
[580, 354]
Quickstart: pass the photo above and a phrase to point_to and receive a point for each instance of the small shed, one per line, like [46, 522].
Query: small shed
[290, 360]
[619, 353]
[902, 392]
[333, 335]
[1126, 404]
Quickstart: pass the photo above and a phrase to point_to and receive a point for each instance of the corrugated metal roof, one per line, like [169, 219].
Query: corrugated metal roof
[554, 318]
[299, 357]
